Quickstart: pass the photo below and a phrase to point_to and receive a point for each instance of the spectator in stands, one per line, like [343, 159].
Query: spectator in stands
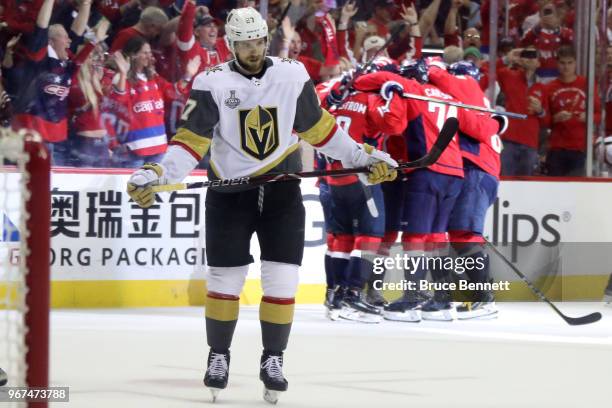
[198, 34]
[567, 117]
[382, 16]
[427, 21]
[5, 105]
[87, 134]
[292, 48]
[407, 45]
[452, 34]
[149, 26]
[547, 36]
[452, 54]
[452, 29]
[167, 61]
[471, 38]
[145, 96]
[522, 95]
[603, 145]
[20, 17]
[6, 111]
[42, 82]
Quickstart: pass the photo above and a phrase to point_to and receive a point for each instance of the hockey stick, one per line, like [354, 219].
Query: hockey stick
[464, 105]
[572, 321]
[446, 135]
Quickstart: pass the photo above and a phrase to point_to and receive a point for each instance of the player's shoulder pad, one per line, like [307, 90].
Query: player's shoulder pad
[287, 68]
[212, 77]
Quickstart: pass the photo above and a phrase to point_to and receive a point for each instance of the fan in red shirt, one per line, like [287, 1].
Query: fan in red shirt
[547, 37]
[604, 145]
[198, 34]
[567, 116]
[150, 25]
[89, 142]
[20, 15]
[292, 47]
[522, 95]
[146, 95]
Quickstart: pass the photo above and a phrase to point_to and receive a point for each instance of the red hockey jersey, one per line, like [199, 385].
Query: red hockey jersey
[419, 122]
[481, 148]
[360, 116]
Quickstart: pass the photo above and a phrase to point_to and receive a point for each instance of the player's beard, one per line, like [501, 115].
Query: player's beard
[252, 64]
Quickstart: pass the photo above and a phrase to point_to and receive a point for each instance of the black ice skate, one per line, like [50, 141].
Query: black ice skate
[3, 378]
[356, 308]
[271, 374]
[217, 372]
[405, 309]
[483, 309]
[329, 298]
[375, 298]
[335, 303]
[440, 310]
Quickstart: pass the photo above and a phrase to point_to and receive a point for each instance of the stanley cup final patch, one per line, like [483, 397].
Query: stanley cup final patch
[232, 102]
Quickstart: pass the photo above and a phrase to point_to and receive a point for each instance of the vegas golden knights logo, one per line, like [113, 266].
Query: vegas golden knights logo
[259, 131]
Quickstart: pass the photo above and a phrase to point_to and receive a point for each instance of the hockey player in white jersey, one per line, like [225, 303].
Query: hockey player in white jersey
[245, 111]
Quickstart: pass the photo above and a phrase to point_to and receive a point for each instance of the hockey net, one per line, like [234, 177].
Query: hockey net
[24, 258]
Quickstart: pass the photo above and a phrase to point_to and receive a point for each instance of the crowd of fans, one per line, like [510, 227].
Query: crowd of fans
[105, 81]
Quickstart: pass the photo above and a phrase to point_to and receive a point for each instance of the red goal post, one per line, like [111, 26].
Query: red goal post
[25, 210]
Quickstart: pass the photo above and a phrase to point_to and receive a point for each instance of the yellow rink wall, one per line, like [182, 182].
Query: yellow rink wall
[118, 294]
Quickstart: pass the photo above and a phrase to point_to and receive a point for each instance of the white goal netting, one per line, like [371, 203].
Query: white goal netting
[24, 270]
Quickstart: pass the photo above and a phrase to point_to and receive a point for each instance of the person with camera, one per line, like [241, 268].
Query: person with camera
[523, 94]
[548, 36]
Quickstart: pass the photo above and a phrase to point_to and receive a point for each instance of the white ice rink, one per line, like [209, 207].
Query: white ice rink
[528, 357]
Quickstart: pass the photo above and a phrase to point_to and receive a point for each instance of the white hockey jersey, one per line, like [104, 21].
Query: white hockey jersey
[248, 122]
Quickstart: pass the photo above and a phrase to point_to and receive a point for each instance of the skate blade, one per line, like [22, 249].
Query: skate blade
[271, 396]
[410, 316]
[357, 316]
[440, 315]
[214, 393]
[333, 314]
[479, 315]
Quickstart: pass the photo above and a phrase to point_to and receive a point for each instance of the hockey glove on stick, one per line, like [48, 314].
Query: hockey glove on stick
[140, 185]
[382, 167]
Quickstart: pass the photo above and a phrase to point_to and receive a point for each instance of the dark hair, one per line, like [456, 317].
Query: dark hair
[133, 46]
[566, 51]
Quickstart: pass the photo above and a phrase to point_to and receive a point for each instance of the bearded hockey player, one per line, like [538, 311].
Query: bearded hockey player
[245, 111]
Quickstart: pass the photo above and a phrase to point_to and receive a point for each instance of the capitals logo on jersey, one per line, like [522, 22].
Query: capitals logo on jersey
[259, 131]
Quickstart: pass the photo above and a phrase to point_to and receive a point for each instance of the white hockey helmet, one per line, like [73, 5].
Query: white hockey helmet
[245, 24]
[603, 149]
